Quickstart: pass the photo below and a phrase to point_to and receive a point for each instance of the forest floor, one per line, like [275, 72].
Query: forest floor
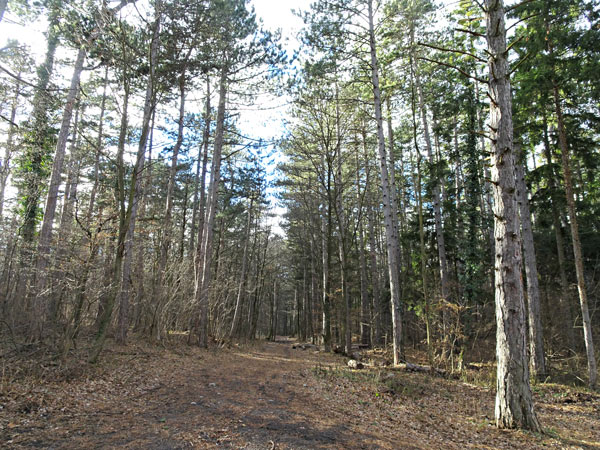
[268, 395]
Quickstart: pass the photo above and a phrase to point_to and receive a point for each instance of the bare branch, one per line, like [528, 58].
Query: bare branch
[474, 33]
[480, 6]
[435, 47]
[524, 2]
[512, 45]
[522, 20]
[25, 82]
[521, 61]
[481, 80]
[9, 121]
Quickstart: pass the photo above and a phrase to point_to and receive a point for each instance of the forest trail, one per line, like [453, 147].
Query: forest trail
[267, 396]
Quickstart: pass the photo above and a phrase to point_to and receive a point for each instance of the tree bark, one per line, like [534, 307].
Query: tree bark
[106, 306]
[3, 5]
[5, 163]
[98, 149]
[537, 363]
[167, 222]
[238, 303]
[514, 403]
[66, 217]
[41, 304]
[326, 235]
[204, 259]
[565, 297]
[126, 208]
[577, 252]
[200, 190]
[160, 280]
[126, 281]
[437, 210]
[365, 319]
[36, 151]
[389, 205]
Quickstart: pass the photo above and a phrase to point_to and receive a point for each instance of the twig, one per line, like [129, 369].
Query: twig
[21, 80]
[480, 6]
[512, 45]
[9, 121]
[521, 61]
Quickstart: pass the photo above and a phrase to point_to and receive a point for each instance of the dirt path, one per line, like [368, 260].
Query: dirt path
[268, 396]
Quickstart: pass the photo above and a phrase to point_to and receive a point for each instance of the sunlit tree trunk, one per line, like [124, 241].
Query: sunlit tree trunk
[126, 203]
[5, 162]
[514, 403]
[242, 282]
[365, 319]
[437, 210]
[36, 148]
[41, 307]
[537, 361]
[99, 141]
[126, 279]
[389, 205]
[204, 274]
[200, 179]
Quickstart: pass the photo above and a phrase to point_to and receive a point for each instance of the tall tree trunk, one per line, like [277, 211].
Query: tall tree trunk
[160, 280]
[126, 208]
[260, 282]
[41, 307]
[5, 162]
[168, 219]
[514, 403]
[126, 280]
[419, 194]
[342, 229]
[238, 303]
[375, 280]
[389, 204]
[105, 308]
[200, 179]
[36, 149]
[365, 320]
[184, 219]
[66, 217]
[326, 237]
[314, 290]
[537, 363]
[437, 210]
[3, 5]
[274, 312]
[139, 275]
[204, 274]
[377, 316]
[99, 141]
[581, 288]
[565, 297]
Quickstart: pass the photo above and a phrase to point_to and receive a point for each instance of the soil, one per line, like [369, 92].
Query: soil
[269, 396]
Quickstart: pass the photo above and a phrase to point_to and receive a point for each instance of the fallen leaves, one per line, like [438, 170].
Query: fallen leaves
[270, 395]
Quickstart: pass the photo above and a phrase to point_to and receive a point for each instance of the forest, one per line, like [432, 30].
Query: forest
[423, 229]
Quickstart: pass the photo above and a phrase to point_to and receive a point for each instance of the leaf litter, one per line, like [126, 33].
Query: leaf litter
[268, 395]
